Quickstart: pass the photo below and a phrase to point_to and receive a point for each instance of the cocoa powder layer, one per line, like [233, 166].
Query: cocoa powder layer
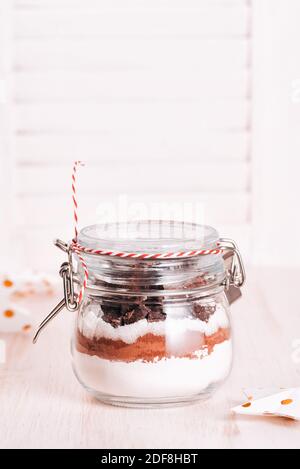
[150, 347]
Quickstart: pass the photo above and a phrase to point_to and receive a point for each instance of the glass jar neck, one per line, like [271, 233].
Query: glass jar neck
[152, 276]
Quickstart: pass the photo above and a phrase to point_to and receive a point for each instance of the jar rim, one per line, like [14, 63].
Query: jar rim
[149, 236]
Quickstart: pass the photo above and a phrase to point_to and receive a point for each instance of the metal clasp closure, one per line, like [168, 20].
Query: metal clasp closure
[235, 274]
[69, 300]
[66, 272]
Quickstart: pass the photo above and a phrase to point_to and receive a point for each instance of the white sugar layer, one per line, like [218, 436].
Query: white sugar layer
[165, 378]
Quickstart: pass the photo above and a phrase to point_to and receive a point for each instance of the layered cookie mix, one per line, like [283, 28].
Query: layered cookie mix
[153, 328]
[151, 348]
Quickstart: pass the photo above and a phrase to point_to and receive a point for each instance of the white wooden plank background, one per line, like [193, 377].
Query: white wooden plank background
[205, 20]
[154, 96]
[7, 132]
[41, 210]
[111, 146]
[42, 406]
[101, 54]
[134, 116]
[121, 3]
[145, 84]
[149, 178]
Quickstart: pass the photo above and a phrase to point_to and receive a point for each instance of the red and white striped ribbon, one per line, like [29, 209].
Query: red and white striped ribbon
[76, 247]
[74, 196]
[74, 244]
[144, 255]
[85, 276]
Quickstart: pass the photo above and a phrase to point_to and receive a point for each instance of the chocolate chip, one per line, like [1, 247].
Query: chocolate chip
[203, 312]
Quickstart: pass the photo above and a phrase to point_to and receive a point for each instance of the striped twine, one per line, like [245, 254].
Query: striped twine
[74, 196]
[74, 244]
[151, 256]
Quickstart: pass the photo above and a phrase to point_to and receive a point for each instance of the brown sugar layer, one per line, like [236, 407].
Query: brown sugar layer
[150, 347]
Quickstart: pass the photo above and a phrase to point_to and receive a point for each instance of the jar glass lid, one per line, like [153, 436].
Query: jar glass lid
[149, 236]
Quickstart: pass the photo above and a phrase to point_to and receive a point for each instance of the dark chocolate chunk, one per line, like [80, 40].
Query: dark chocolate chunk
[109, 308]
[203, 312]
[127, 307]
[135, 314]
[156, 313]
[112, 314]
[113, 319]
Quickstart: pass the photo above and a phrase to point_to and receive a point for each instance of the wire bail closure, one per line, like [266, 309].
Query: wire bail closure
[67, 273]
[70, 299]
[235, 275]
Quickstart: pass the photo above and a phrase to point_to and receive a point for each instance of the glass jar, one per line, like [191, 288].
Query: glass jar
[153, 332]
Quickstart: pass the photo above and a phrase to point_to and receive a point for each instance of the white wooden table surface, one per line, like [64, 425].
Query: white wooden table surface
[42, 405]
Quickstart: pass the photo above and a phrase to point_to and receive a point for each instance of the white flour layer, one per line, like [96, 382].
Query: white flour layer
[93, 326]
[169, 377]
